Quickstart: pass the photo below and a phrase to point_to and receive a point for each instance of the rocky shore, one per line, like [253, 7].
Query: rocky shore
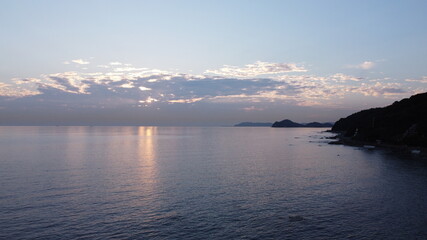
[341, 139]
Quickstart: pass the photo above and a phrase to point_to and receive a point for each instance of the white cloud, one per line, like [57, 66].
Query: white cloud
[252, 108]
[4, 85]
[340, 77]
[80, 61]
[257, 69]
[103, 66]
[20, 81]
[128, 69]
[127, 85]
[142, 88]
[381, 89]
[366, 65]
[191, 100]
[8, 90]
[422, 80]
[162, 87]
[149, 100]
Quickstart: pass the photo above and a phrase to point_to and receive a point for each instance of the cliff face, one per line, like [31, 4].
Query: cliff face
[403, 122]
[317, 124]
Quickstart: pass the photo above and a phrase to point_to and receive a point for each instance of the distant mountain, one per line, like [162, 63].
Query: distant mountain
[287, 123]
[404, 122]
[253, 124]
[290, 124]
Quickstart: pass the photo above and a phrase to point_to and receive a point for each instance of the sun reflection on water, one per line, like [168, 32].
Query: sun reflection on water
[147, 155]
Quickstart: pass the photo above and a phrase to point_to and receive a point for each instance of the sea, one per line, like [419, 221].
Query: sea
[83, 182]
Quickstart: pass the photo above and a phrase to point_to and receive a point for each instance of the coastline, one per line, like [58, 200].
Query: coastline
[340, 139]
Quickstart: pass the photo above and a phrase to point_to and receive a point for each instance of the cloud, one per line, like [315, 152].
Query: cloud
[103, 66]
[79, 61]
[252, 108]
[18, 89]
[421, 80]
[366, 65]
[146, 88]
[127, 85]
[148, 100]
[257, 69]
[381, 89]
[66, 84]
[128, 69]
[192, 100]
[340, 77]
[142, 88]
[123, 94]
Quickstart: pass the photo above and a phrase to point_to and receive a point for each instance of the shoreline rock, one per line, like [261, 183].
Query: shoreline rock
[340, 139]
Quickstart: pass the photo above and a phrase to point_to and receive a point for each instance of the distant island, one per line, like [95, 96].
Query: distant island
[402, 123]
[253, 124]
[290, 124]
[284, 124]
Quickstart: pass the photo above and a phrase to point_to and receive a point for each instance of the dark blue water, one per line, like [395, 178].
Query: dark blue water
[204, 183]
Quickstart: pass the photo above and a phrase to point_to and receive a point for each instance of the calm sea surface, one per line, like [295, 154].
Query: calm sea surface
[204, 183]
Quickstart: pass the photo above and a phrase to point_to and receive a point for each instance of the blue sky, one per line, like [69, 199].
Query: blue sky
[206, 62]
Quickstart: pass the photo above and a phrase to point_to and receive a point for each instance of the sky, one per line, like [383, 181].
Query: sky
[206, 63]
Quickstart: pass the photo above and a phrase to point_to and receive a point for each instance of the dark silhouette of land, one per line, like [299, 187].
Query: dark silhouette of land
[290, 124]
[402, 123]
[284, 124]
